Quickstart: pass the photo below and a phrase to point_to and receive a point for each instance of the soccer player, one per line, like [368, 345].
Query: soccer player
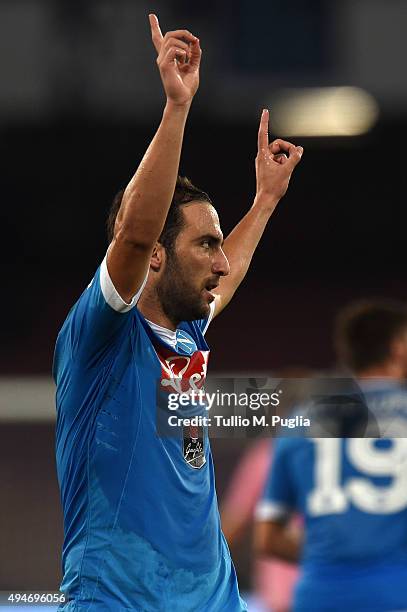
[272, 580]
[142, 529]
[352, 492]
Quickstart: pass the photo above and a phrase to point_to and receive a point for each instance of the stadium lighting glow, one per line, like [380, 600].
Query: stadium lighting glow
[326, 111]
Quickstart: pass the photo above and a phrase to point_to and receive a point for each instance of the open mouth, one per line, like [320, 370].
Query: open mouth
[209, 287]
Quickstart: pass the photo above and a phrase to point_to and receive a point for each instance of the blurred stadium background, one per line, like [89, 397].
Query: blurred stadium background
[80, 97]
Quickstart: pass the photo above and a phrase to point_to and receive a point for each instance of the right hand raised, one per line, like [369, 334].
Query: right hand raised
[179, 57]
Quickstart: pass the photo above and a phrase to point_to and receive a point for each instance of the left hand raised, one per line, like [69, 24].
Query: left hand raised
[275, 163]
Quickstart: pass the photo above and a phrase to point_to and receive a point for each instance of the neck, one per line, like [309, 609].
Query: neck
[150, 307]
[389, 370]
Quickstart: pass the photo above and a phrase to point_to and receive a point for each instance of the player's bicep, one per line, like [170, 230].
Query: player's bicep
[127, 265]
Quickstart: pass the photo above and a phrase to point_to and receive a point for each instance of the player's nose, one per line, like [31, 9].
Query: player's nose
[220, 264]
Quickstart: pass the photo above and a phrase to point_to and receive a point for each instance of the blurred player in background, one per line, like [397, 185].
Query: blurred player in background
[142, 529]
[352, 492]
[272, 579]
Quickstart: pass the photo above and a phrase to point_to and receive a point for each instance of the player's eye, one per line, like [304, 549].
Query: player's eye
[205, 243]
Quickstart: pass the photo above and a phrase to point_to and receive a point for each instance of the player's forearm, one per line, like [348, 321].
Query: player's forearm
[148, 195]
[280, 542]
[285, 548]
[275, 163]
[240, 246]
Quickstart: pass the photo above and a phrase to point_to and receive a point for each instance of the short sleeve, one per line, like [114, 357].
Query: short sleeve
[96, 321]
[110, 293]
[278, 500]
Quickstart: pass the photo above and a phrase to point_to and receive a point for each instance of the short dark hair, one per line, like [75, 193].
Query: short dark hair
[365, 330]
[185, 192]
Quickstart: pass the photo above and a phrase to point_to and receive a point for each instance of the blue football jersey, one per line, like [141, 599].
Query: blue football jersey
[352, 494]
[141, 523]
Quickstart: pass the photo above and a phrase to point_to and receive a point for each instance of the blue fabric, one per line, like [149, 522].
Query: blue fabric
[142, 528]
[377, 588]
[355, 551]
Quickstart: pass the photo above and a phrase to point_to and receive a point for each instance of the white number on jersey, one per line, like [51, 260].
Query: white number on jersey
[331, 497]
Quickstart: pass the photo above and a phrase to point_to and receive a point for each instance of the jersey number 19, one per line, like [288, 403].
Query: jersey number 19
[333, 496]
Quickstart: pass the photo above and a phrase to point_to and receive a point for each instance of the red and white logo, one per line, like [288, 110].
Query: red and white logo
[182, 373]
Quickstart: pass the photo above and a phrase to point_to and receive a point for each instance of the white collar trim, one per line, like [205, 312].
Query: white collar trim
[167, 335]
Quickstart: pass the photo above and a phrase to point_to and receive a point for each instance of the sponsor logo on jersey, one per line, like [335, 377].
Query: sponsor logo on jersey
[182, 373]
[186, 374]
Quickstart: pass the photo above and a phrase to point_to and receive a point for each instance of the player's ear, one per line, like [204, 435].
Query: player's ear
[157, 257]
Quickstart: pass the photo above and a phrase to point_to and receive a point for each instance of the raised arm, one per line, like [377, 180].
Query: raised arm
[148, 196]
[275, 163]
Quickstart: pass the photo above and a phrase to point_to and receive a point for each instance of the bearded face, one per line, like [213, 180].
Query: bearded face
[192, 269]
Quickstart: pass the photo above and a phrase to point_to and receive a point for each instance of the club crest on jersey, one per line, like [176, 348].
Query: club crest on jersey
[185, 342]
[193, 443]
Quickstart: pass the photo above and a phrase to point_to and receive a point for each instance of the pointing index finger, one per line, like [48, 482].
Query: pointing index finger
[156, 33]
[263, 138]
